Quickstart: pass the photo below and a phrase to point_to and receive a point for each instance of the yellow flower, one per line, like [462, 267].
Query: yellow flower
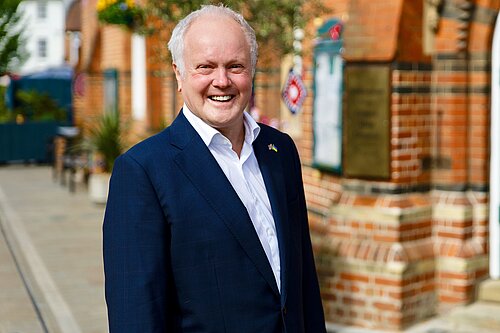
[130, 3]
[100, 6]
[103, 4]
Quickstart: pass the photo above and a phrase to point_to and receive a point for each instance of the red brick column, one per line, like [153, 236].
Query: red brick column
[460, 108]
[381, 260]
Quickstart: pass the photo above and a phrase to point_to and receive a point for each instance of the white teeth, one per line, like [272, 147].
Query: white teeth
[221, 98]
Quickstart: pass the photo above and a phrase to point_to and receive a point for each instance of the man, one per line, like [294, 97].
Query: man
[206, 226]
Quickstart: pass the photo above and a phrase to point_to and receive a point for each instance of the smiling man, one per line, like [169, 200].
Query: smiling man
[206, 225]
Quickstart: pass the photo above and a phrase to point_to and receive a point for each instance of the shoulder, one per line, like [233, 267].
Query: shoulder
[273, 136]
[150, 149]
[273, 133]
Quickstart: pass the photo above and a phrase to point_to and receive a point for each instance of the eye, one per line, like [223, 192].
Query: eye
[204, 68]
[236, 68]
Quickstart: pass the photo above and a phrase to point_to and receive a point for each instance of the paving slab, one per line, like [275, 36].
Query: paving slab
[479, 317]
[57, 236]
[489, 291]
[17, 311]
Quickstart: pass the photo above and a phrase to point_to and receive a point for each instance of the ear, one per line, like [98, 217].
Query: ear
[178, 77]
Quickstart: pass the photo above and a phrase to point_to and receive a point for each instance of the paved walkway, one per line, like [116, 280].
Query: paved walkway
[480, 317]
[54, 284]
[51, 278]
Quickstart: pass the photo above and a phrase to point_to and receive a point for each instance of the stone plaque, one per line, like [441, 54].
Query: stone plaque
[367, 121]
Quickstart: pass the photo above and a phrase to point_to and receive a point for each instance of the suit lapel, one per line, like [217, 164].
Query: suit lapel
[272, 171]
[196, 161]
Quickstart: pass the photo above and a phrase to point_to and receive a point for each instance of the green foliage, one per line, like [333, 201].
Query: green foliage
[5, 114]
[105, 137]
[272, 20]
[38, 106]
[12, 52]
[121, 12]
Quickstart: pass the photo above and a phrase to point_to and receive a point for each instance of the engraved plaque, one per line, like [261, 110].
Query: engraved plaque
[367, 122]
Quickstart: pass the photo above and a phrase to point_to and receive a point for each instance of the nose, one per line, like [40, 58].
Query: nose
[221, 78]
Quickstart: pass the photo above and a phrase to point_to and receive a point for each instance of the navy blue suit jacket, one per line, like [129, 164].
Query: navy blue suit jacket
[181, 253]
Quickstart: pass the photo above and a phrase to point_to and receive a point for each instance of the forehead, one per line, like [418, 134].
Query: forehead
[215, 31]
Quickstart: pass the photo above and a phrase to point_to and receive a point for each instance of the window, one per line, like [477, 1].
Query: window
[110, 90]
[42, 48]
[42, 10]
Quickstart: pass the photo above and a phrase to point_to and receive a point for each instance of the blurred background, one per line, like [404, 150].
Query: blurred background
[393, 104]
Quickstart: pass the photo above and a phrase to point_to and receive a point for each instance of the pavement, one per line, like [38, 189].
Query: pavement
[51, 276]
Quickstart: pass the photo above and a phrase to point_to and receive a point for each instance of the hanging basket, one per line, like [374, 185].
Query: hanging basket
[120, 12]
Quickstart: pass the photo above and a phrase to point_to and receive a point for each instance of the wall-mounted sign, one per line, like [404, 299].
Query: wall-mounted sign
[327, 112]
[367, 121]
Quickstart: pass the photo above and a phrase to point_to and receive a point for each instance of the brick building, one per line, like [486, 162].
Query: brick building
[399, 218]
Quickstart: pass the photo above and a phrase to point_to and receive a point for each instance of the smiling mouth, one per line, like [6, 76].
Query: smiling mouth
[225, 98]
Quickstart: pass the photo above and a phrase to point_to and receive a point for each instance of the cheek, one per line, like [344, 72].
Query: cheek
[199, 86]
[244, 85]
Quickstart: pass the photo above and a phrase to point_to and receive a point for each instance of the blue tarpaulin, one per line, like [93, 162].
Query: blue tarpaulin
[55, 82]
[32, 140]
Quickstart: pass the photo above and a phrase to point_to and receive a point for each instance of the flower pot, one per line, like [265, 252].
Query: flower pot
[98, 187]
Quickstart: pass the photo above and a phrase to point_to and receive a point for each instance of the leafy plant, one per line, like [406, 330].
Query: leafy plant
[12, 52]
[34, 105]
[5, 114]
[105, 137]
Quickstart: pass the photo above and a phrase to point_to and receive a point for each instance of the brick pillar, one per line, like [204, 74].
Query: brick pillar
[267, 91]
[381, 258]
[479, 81]
[450, 111]
[159, 69]
[411, 124]
[373, 238]
[377, 266]
[171, 99]
[461, 137]
[392, 251]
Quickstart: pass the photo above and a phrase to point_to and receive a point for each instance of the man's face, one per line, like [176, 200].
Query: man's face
[217, 81]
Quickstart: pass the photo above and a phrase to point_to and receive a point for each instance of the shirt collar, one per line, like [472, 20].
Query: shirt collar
[207, 132]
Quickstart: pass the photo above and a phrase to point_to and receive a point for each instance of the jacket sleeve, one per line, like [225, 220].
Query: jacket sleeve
[314, 320]
[138, 285]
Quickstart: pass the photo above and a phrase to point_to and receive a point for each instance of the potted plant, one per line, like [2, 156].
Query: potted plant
[104, 142]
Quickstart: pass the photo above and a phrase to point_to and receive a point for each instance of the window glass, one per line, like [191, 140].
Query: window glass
[42, 48]
[42, 9]
[110, 90]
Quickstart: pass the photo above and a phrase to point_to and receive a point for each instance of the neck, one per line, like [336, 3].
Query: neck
[236, 136]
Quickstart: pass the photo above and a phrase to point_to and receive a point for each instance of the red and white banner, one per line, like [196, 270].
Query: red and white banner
[294, 92]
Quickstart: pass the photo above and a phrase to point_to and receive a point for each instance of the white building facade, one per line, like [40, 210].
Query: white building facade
[44, 30]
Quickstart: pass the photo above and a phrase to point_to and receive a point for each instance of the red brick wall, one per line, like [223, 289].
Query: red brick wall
[376, 39]
[430, 217]
[411, 124]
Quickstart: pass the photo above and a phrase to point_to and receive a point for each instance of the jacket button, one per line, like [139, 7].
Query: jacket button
[284, 310]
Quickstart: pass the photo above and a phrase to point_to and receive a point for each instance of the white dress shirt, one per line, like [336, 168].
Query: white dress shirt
[244, 175]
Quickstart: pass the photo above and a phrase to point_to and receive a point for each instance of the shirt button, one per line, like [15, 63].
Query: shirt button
[269, 232]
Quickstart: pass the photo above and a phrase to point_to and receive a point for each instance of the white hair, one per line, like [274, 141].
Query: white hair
[176, 43]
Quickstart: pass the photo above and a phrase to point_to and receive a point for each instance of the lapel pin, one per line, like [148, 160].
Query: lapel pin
[272, 147]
